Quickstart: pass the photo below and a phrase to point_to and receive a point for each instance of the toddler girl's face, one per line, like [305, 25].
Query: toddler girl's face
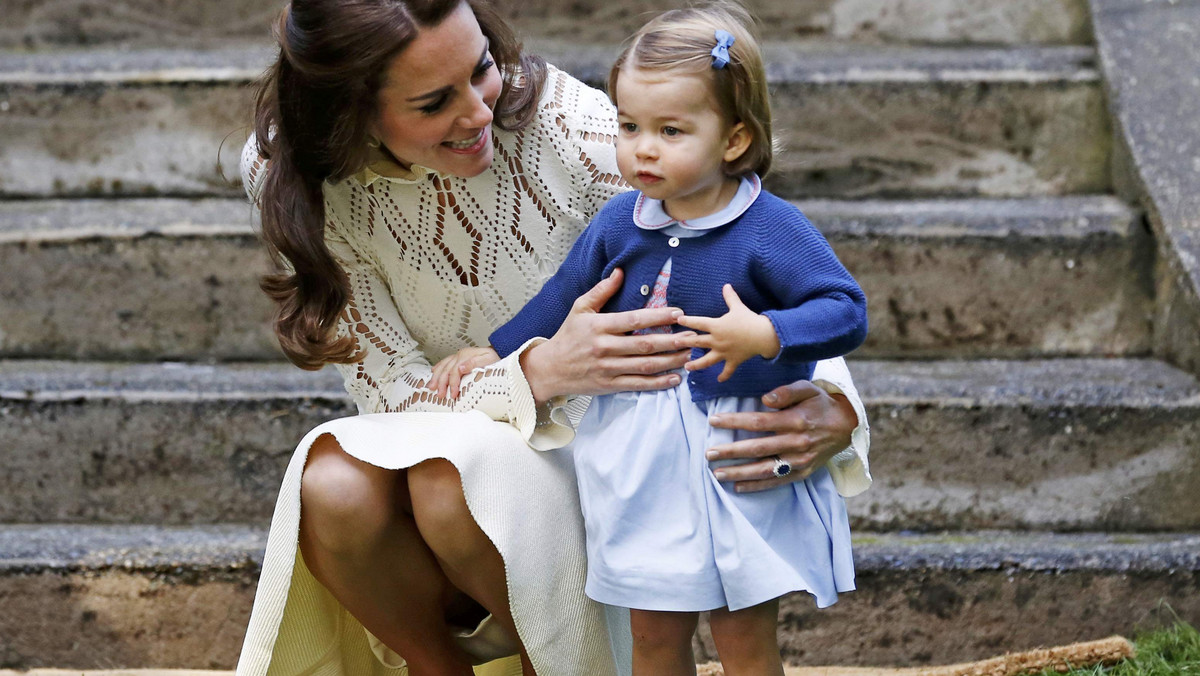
[673, 140]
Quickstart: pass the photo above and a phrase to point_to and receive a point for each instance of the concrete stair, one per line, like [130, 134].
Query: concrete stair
[185, 594]
[859, 123]
[1035, 465]
[944, 278]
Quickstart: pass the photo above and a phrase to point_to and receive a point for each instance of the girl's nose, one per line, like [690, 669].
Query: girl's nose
[646, 147]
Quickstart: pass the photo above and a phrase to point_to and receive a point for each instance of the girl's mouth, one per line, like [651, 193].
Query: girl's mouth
[469, 146]
[648, 178]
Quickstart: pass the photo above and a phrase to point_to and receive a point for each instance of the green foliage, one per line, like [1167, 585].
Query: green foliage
[1168, 652]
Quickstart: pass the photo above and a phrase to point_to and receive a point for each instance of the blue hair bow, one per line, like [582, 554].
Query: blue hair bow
[720, 53]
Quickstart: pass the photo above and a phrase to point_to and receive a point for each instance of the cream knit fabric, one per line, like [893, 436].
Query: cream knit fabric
[435, 263]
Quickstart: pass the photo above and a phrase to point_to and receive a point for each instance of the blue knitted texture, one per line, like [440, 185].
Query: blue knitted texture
[779, 264]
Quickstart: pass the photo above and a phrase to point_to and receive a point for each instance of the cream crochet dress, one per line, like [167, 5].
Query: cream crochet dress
[435, 263]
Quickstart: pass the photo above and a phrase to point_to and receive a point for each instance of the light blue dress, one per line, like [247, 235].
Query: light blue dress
[662, 532]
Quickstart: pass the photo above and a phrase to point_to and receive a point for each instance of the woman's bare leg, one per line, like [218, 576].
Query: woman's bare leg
[662, 643]
[365, 548]
[746, 639]
[464, 552]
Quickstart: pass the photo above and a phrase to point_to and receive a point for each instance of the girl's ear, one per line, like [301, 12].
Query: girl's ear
[738, 142]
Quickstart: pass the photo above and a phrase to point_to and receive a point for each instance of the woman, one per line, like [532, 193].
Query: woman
[419, 179]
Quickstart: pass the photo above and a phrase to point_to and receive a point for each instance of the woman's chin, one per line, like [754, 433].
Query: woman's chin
[467, 166]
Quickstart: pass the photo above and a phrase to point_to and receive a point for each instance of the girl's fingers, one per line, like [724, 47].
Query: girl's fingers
[709, 359]
[727, 372]
[731, 298]
[701, 340]
[699, 323]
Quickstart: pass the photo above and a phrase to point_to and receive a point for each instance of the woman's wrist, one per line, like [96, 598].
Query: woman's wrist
[542, 383]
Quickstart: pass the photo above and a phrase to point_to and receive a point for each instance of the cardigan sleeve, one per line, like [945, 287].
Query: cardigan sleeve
[582, 269]
[825, 311]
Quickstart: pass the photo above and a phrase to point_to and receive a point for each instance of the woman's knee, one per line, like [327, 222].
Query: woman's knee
[441, 512]
[346, 504]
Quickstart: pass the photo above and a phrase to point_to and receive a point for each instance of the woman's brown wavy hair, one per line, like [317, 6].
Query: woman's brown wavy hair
[312, 116]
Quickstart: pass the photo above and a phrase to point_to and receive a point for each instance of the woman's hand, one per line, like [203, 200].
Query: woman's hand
[591, 353]
[810, 428]
[448, 373]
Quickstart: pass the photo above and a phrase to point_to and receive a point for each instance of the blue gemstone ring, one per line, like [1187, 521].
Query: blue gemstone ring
[782, 467]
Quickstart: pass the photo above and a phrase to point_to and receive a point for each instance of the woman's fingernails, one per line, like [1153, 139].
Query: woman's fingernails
[676, 314]
[710, 455]
[721, 476]
[772, 398]
[715, 419]
[674, 380]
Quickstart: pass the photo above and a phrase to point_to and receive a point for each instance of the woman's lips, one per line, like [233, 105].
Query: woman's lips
[477, 144]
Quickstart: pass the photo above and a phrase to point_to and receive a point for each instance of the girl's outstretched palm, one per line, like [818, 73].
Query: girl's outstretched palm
[732, 338]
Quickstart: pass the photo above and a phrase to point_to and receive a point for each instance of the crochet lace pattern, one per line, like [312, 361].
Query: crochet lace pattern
[436, 262]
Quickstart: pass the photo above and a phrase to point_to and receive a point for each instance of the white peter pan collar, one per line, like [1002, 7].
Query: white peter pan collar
[649, 214]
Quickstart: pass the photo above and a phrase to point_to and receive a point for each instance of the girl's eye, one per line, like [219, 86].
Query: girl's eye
[670, 131]
[629, 127]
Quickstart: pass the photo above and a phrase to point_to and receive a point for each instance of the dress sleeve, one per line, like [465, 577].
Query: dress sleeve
[849, 469]
[392, 371]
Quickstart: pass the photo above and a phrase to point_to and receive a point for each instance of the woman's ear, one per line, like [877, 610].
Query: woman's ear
[738, 142]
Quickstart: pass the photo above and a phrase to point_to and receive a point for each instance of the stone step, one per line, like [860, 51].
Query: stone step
[858, 123]
[177, 278]
[114, 595]
[55, 23]
[1073, 444]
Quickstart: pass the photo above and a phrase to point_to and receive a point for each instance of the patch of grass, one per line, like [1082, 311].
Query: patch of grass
[1168, 652]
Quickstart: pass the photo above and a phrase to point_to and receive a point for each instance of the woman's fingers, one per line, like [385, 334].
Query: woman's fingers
[595, 298]
[791, 394]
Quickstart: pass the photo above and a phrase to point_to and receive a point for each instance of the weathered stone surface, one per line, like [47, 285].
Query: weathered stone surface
[169, 443]
[888, 122]
[149, 596]
[1149, 54]
[996, 278]
[133, 279]
[178, 279]
[1070, 444]
[51, 23]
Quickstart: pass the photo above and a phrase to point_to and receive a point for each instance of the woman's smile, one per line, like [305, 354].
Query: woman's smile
[472, 145]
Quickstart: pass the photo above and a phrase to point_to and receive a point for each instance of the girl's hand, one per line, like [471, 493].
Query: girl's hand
[591, 353]
[811, 427]
[448, 373]
[732, 338]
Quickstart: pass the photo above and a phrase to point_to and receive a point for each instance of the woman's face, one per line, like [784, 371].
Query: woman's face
[435, 105]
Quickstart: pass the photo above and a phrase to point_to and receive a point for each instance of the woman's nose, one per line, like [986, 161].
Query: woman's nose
[479, 110]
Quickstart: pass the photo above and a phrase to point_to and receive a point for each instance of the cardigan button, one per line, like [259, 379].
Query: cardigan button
[645, 290]
[674, 241]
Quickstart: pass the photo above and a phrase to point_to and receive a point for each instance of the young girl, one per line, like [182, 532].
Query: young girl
[664, 536]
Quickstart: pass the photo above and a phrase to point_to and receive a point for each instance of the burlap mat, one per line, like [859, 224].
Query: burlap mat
[1061, 658]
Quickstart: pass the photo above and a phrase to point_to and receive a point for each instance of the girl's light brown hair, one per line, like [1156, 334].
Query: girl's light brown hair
[682, 40]
[314, 108]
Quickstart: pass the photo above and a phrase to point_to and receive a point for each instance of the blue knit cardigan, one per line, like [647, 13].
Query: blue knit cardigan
[778, 263]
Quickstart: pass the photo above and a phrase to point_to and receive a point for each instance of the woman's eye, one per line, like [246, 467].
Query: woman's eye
[484, 68]
[431, 108]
